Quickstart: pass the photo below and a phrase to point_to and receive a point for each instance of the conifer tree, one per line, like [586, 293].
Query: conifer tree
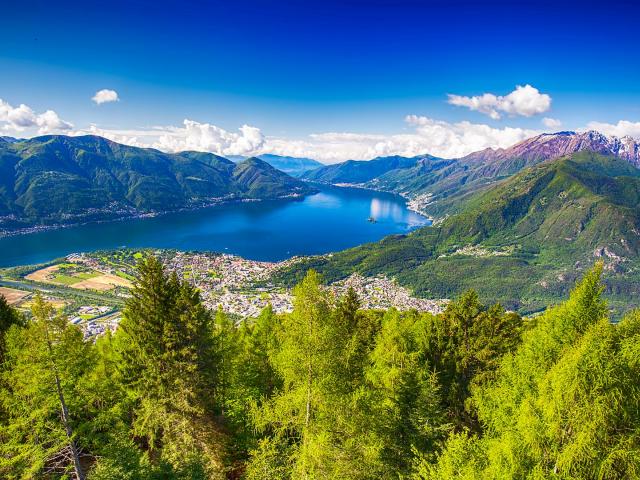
[464, 345]
[252, 377]
[8, 317]
[564, 405]
[408, 406]
[44, 378]
[308, 362]
[167, 364]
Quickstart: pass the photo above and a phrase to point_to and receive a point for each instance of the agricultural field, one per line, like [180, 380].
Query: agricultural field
[56, 303]
[13, 296]
[78, 276]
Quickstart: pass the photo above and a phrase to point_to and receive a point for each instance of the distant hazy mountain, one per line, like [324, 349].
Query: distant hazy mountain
[521, 241]
[8, 139]
[56, 178]
[294, 166]
[360, 171]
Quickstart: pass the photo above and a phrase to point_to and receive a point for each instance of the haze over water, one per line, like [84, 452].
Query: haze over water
[331, 220]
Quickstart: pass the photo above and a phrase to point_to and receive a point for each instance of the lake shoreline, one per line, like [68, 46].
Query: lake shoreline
[141, 215]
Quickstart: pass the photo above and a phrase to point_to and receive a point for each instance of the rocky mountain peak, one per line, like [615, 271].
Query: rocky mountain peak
[553, 145]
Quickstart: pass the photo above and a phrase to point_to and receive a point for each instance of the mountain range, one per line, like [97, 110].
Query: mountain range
[60, 179]
[519, 225]
[439, 186]
[361, 171]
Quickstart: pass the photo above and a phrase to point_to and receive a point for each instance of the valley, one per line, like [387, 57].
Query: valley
[516, 224]
[520, 240]
[350, 240]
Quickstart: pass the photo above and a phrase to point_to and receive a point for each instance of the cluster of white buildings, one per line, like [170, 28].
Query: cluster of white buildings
[95, 328]
[237, 285]
[241, 286]
[381, 293]
[95, 319]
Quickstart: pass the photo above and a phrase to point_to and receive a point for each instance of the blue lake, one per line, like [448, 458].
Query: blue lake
[333, 219]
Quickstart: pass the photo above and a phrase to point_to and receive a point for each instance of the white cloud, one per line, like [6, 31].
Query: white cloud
[23, 117]
[210, 138]
[551, 122]
[436, 137]
[202, 137]
[623, 128]
[525, 101]
[105, 96]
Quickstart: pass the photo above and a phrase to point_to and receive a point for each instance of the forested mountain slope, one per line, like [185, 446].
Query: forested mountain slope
[57, 179]
[328, 390]
[360, 171]
[521, 242]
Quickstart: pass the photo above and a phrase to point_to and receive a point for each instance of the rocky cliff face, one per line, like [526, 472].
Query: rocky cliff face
[554, 145]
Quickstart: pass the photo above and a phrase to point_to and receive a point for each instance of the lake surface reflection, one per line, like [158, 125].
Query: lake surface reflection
[333, 219]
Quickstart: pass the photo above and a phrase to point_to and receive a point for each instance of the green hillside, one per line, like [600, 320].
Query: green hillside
[55, 179]
[522, 242]
[258, 179]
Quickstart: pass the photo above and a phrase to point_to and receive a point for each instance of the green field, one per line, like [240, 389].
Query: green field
[71, 278]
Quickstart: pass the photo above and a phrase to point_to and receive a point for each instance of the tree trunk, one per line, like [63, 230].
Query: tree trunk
[65, 413]
[67, 427]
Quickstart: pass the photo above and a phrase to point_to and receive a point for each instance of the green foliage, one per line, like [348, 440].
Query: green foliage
[250, 375]
[167, 366]
[564, 405]
[47, 363]
[328, 391]
[316, 420]
[464, 345]
[407, 405]
[8, 318]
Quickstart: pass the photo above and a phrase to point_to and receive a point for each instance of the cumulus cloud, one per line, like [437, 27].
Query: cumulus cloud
[202, 137]
[427, 135]
[623, 128]
[105, 96]
[210, 138]
[525, 101]
[551, 122]
[23, 117]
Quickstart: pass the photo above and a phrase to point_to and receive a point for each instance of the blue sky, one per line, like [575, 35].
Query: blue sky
[295, 71]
